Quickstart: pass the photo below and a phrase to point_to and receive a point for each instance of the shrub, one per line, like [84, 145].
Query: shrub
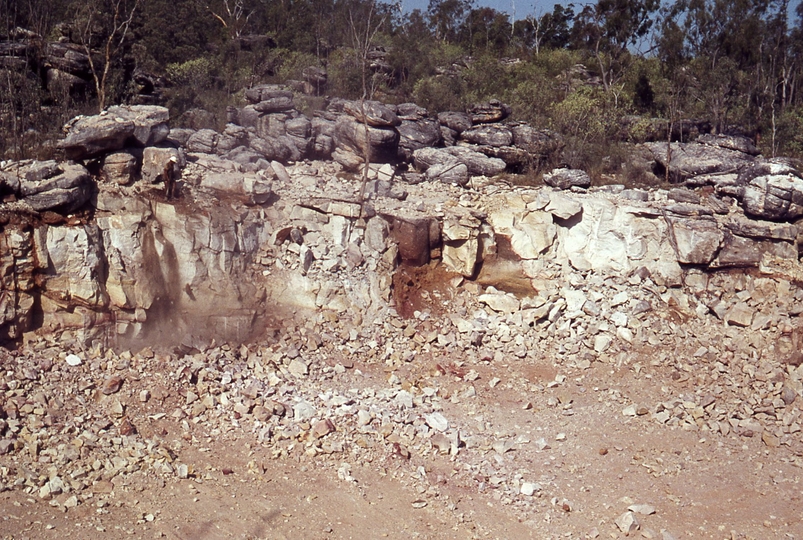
[440, 93]
[788, 134]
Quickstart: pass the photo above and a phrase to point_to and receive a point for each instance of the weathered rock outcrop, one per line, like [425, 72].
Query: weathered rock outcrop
[689, 160]
[119, 126]
[567, 178]
[47, 185]
[772, 190]
[244, 244]
[248, 238]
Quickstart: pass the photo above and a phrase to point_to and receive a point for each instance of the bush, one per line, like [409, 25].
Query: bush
[440, 93]
[589, 119]
[788, 134]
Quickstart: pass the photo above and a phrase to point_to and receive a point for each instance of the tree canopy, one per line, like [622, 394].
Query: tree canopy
[733, 63]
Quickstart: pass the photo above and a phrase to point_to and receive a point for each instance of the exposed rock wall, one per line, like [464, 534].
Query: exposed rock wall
[241, 245]
[214, 266]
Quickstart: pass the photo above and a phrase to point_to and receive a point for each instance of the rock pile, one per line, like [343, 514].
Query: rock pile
[78, 424]
[459, 144]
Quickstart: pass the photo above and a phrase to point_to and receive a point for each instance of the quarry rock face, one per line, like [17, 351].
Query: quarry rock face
[239, 246]
[247, 238]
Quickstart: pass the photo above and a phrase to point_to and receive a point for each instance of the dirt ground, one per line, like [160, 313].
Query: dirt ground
[596, 463]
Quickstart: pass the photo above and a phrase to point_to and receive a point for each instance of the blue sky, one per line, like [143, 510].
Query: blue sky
[522, 8]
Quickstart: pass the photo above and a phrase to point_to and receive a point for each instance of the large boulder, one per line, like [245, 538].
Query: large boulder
[730, 142]
[119, 167]
[272, 125]
[415, 134]
[267, 92]
[373, 113]
[90, 136]
[456, 121]
[69, 58]
[15, 54]
[738, 251]
[489, 112]
[281, 149]
[477, 164]
[449, 172]
[488, 135]
[62, 187]
[567, 178]
[323, 133]
[62, 82]
[179, 136]
[411, 111]
[350, 138]
[543, 146]
[151, 122]
[203, 141]
[772, 191]
[274, 105]
[687, 160]
[114, 129]
[515, 158]
[299, 131]
[696, 240]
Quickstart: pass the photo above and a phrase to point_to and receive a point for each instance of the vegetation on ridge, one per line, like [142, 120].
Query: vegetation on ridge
[731, 65]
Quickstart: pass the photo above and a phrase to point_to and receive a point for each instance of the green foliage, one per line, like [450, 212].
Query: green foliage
[589, 119]
[193, 85]
[345, 75]
[729, 62]
[788, 136]
[440, 93]
[293, 64]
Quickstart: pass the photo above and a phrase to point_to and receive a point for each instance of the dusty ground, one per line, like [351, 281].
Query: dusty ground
[544, 449]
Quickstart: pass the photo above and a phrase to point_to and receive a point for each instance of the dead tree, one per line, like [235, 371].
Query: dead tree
[115, 36]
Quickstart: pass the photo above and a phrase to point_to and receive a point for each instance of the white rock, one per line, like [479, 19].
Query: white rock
[404, 399]
[532, 235]
[619, 319]
[602, 342]
[297, 367]
[73, 360]
[620, 298]
[363, 417]
[562, 207]
[575, 300]
[643, 509]
[529, 488]
[437, 421]
[624, 334]
[503, 303]
[541, 444]
[303, 410]
[627, 523]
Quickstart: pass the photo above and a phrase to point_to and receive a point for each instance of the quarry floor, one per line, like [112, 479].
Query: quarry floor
[596, 463]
